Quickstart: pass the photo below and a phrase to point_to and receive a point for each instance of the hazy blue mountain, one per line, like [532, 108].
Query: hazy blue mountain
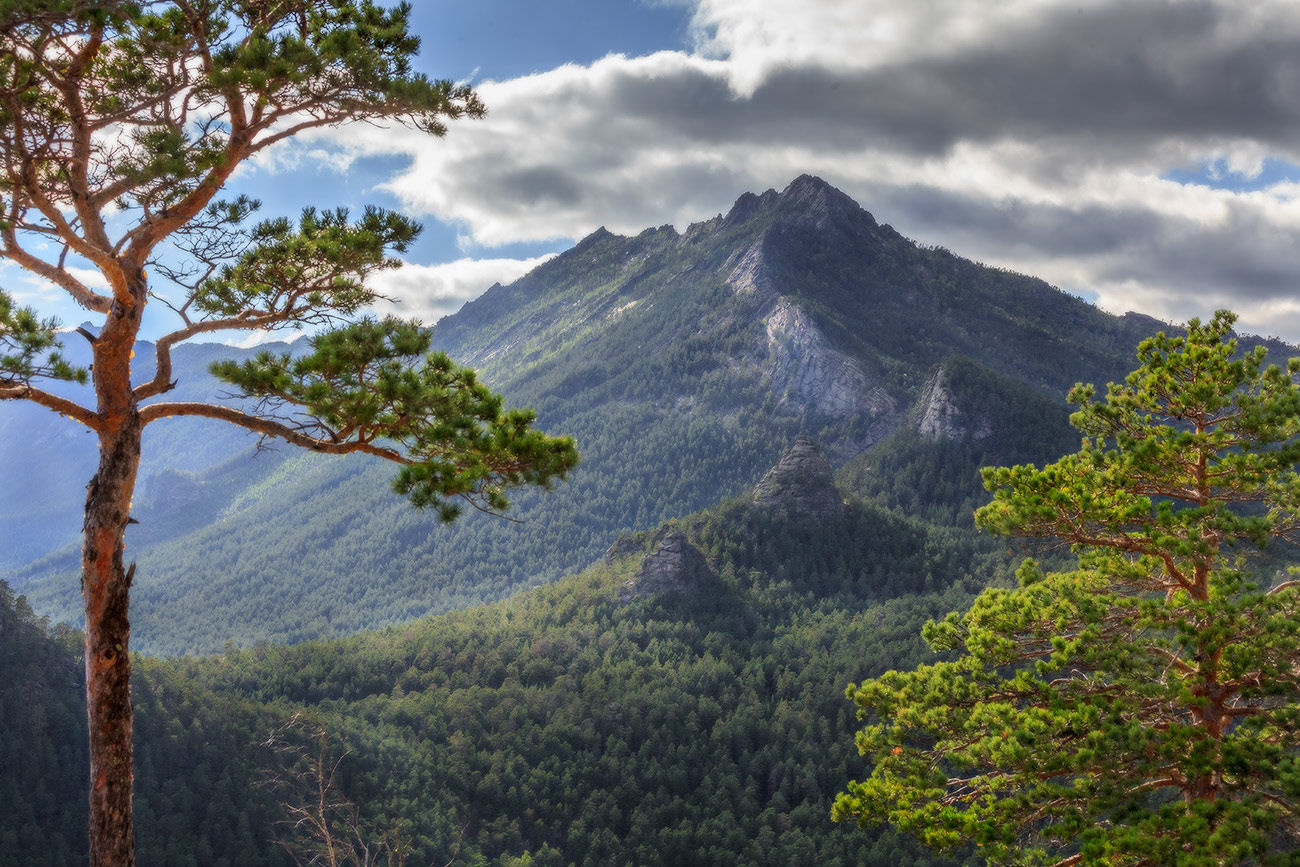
[47, 460]
[683, 363]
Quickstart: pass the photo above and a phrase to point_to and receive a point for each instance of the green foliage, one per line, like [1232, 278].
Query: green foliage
[565, 726]
[689, 728]
[320, 62]
[42, 739]
[456, 439]
[322, 826]
[299, 274]
[29, 347]
[1144, 707]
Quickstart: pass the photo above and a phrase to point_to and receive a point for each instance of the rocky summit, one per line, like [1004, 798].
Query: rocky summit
[801, 484]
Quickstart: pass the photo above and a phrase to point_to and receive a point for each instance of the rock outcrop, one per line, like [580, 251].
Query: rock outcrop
[171, 490]
[801, 484]
[749, 272]
[938, 416]
[812, 374]
[675, 565]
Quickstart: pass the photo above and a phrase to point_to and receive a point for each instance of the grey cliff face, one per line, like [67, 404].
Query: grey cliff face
[938, 417]
[802, 366]
[801, 484]
[750, 273]
[812, 374]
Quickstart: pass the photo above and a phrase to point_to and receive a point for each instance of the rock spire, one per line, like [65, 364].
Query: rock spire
[675, 565]
[801, 484]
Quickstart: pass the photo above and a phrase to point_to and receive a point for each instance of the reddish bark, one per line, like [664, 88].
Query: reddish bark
[105, 587]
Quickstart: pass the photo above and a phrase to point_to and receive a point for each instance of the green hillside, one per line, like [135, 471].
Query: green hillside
[682, 363]
[596, 720]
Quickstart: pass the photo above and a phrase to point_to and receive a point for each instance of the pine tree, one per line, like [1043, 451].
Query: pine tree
[120, 122]
[1142, 708]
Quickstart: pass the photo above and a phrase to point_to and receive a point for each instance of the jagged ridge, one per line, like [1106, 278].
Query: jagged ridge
[682, 363]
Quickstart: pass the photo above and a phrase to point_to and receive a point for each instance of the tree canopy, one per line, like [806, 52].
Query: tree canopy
[1142, 708]
[120, 122]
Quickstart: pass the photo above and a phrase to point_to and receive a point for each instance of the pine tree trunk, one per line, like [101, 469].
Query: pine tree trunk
[105, 587]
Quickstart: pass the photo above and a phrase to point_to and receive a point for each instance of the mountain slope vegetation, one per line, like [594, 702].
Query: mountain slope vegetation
[601, 719]
[618, 699]
[681, 362]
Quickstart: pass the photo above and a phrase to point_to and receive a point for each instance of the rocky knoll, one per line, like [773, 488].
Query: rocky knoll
[801, 484]
[675, 565]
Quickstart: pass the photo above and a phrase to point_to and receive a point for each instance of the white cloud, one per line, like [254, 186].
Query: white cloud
[1032, 134]
[292, 154]
[429, 292]
[250, 339]
[91, 278]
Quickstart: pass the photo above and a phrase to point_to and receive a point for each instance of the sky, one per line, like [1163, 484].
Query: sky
[1143, 154]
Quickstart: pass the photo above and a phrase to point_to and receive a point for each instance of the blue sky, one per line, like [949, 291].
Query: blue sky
[486, 40]
[1140, 153]
[503, 39]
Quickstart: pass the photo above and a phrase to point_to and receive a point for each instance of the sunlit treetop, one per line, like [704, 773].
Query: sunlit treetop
[114, 109]
[1143, 708]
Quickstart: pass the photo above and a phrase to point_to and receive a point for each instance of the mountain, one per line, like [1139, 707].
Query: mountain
[684, 363]
[679, 702]
[806, 296]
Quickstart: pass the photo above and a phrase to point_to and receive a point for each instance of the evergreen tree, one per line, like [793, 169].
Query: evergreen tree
[1144, 707]
[120, 122]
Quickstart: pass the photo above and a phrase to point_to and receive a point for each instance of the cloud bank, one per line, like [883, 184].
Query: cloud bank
[430, 292]
[1039, 136]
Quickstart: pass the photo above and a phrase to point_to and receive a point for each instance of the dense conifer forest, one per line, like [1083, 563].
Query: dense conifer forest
[572, 724]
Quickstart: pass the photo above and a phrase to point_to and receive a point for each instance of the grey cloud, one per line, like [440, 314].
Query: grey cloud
[545, 186]
[1240, 262]
[1017, 226]
[1118, 75]
[1107, 85]
[1131, 70]
[1222, 262]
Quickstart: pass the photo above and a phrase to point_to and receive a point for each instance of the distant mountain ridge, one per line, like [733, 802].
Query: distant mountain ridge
[802, 294]
[684, 363]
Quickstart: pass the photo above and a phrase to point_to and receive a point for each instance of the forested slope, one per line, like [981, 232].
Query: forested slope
[683, 363]
[681, 701]
[603, 719]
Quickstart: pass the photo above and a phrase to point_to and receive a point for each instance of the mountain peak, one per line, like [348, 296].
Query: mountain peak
[801, 484]
[749, 205]
[594, 238]
[806, 185]
[816, 201]
[807, 201]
